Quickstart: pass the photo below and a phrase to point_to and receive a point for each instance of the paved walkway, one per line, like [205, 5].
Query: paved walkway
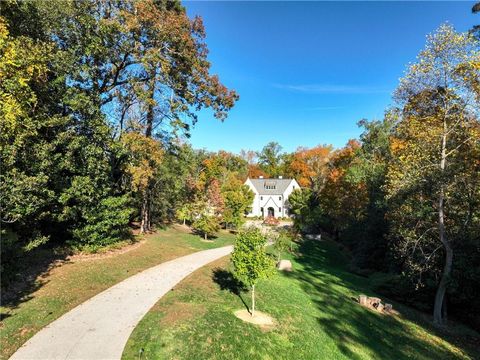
[100, 327]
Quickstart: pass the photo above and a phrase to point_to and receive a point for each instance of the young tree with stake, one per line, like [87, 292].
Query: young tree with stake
[282, 243]
[250, 260]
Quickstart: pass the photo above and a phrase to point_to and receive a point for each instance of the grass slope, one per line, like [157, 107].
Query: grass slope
[316, 319]
[66, 285]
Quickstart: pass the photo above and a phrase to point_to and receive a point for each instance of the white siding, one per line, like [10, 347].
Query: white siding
[291, 187]
[277, 202]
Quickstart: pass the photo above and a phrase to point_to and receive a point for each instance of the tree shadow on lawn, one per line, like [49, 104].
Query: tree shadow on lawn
[202, 235]
[31, 275]
[353, 327]
[227, 281]
[33, 269]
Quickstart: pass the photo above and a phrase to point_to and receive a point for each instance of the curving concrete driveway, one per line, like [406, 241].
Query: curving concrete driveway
[100, 327]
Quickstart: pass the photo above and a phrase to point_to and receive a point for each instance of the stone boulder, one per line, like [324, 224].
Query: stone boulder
[284, 265]
[362, 300]
[375, 304]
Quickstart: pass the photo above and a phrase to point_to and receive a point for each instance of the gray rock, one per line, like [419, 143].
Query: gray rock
[362, 300]
[284, 265]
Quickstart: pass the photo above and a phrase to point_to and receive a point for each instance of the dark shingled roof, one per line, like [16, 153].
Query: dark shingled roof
[279, 184]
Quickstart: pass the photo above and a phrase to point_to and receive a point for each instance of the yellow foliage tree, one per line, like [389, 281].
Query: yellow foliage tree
[145, 157]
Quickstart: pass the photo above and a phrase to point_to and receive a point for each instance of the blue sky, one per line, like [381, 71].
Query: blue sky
[306, 72]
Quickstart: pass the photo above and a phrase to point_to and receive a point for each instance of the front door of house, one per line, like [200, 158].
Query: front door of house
[271, 212]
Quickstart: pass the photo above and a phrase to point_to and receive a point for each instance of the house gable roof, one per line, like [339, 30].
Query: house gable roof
[270, 186]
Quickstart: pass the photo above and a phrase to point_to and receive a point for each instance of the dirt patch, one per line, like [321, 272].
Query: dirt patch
[181, 311]
[260, 318]
[25, 330]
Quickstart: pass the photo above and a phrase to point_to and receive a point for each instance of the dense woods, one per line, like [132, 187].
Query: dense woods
[94, 97]
[405, 199]
[97, 99]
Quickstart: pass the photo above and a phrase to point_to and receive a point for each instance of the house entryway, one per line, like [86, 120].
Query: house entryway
[271, 212]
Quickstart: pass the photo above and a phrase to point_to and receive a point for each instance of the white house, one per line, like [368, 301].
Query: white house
[271, 196]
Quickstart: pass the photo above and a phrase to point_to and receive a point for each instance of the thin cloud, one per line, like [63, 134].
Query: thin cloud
[332, 89]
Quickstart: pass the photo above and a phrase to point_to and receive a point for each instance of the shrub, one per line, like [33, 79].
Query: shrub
[105, 225]
[271, 221]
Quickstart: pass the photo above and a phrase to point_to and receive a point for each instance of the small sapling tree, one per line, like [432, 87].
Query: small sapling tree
[207, 225]
[184, 213]
[250, 260]
[282, 243]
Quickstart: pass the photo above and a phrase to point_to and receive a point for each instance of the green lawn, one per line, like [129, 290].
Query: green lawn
[63, 286]
[316, 319]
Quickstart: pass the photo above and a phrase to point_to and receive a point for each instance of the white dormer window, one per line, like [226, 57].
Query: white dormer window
[270, 185]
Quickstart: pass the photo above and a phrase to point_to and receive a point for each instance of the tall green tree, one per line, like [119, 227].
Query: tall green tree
[78, 76]
[206, 224]
[143, 62]
[238, 199]
[56, 147]
[24, 183]
[434, 151]
[270, 159]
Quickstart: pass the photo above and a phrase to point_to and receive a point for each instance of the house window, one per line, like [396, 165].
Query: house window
[261, 197]
[261, 209]
[280, 209]
[279, 198]
[270, 185]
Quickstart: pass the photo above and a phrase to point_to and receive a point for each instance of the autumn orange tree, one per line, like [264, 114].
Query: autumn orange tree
[342, 199]
[309, 166]
[217, 190]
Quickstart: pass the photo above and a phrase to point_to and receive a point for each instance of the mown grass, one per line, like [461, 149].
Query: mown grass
[64, 285]
[316, 319]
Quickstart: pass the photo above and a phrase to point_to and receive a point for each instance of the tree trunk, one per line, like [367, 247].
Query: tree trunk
[253, 300]
[183, 221]
[145, 213]
[447, 269]
[150, 110]
[444, 309]
[205, 235]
